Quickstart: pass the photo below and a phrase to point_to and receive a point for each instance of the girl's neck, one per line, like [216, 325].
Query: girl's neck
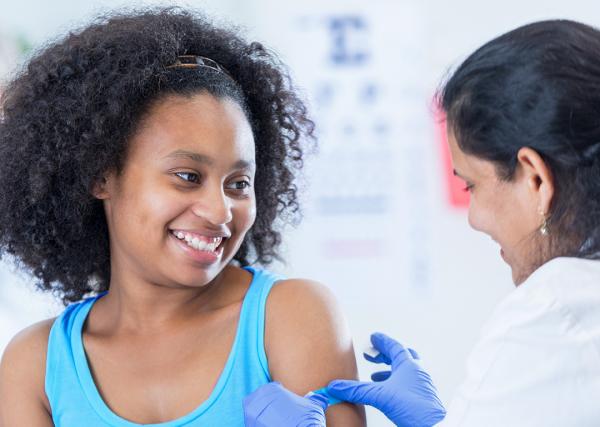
[133, 305]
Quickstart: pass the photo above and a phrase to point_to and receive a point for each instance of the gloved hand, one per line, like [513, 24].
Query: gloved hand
[272, 405]
[405, 395]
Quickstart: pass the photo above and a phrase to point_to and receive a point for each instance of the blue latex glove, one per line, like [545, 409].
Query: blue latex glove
[272, 405]
[406, 395]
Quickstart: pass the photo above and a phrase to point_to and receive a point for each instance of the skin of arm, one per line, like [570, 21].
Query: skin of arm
[23, 400]
[308, 344]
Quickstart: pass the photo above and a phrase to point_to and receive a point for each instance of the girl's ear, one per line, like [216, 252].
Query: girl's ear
[100, 188]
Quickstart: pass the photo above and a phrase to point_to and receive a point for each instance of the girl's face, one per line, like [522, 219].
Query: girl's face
[509, 212]
[179, 210]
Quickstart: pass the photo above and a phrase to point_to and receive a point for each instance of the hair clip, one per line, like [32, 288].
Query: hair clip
[194, 61]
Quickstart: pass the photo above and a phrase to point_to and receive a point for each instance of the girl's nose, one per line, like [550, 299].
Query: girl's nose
[214, 206]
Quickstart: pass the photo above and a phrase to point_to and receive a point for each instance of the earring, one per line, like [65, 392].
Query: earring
[544, 227]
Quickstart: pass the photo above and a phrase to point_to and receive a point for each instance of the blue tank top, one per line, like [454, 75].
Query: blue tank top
[75, 400]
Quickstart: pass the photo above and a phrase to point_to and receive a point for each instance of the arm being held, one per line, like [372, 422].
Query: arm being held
[307, 344]
[406, 394]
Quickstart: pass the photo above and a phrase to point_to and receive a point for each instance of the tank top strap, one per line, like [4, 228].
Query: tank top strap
[61, 371]
[252, 320]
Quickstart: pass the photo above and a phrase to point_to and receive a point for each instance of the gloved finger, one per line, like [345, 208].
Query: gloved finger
[381, 376]
[390, 347]
[261, 398]
[436, 413]
[251, 414]
[249, 419]
[414, 354]
[365, 393]
[319, 399]
[380, 358]
[258, 401]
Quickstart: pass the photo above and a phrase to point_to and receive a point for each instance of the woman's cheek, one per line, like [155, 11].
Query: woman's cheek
[474, 215]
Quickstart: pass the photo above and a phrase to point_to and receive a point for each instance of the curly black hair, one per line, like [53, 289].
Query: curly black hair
[68, 115]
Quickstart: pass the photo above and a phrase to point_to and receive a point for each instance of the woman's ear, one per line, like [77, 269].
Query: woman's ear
[539, 178]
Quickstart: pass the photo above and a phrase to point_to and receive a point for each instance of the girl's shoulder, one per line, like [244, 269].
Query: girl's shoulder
[29, 346]
[308, 342]
[23, 368]
[298, 305]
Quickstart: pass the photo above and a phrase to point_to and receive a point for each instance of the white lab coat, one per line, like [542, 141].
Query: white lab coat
[538, 360]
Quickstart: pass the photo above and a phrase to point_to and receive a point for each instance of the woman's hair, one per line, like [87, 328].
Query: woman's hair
[538, 87]
[67, 117]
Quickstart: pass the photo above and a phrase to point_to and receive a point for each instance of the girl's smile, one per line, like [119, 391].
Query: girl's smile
[202, 248]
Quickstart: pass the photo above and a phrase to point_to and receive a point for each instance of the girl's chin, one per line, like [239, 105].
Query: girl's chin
[194, 279]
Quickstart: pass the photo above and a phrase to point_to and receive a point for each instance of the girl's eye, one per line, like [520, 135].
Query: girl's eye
[241, 186]
[188, 177]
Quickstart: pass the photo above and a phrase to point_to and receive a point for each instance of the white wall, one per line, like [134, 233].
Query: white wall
[405, 262]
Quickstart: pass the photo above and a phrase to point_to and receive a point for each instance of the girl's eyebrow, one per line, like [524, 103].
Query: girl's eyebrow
[196, 157]
[204, 159]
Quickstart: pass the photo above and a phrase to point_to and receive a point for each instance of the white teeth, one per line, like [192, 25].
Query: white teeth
[199, 244]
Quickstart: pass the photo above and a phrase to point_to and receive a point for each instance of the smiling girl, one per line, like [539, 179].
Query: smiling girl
[147, 161]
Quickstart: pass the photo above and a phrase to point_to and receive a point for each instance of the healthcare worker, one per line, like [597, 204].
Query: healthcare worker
[523, 122]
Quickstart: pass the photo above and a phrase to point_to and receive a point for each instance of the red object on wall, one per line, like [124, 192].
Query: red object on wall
[455, 187]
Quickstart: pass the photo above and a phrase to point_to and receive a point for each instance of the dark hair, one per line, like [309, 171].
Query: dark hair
[539, 87]
[68, 115]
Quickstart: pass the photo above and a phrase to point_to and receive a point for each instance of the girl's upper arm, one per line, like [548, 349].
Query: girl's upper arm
[23, 400]
[308, 344]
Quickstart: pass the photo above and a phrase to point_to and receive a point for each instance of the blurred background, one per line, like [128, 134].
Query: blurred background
[385, 224]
